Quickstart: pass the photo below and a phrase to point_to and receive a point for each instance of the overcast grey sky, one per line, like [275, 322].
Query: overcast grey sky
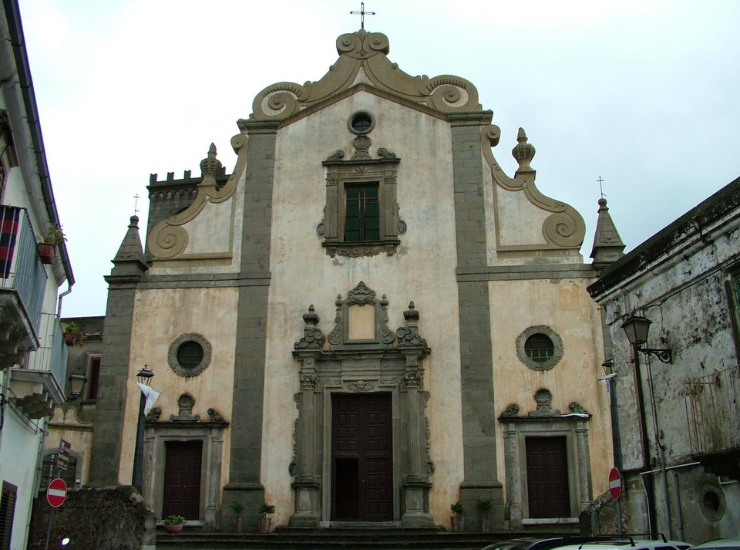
[643, 93]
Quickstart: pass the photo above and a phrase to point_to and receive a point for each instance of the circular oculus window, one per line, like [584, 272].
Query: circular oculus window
[361, 123]
[713, 504]
[189, 355]
[540, 348]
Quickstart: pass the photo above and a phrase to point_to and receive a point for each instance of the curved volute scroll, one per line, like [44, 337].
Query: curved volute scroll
[366, 52]
[565, 228]
[168, 239]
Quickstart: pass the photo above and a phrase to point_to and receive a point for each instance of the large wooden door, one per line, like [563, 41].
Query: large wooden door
[182, 479]
[362, 458]
[547, 477]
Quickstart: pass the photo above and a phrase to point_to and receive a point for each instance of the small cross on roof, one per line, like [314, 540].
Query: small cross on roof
[362, 13]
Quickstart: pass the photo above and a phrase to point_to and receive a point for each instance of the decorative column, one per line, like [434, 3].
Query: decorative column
[216, 451]
[306, 464]
[513, 484]
[416, 485]
[584, 463]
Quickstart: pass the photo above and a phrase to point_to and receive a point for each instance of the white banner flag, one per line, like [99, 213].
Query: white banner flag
[151, 397]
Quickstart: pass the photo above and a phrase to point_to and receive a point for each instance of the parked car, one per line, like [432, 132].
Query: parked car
[630, 543]
[719, 544]
[527, 543]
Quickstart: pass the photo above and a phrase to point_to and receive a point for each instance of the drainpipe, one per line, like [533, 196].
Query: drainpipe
[60, 298]
[661, 449]
[679, 512]
[646, 474]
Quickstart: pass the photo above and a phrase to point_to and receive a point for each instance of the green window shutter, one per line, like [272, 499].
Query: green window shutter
[362, 213]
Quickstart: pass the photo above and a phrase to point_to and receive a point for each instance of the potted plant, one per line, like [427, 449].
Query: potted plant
[484, 507]
[173, 523]
[47, 247]
[237, 508]
[73, 334]
[457, 520]
[264, 519]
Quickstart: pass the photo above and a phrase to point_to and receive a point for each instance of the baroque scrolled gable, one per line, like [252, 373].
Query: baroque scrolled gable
[563, 228]
[363, 59]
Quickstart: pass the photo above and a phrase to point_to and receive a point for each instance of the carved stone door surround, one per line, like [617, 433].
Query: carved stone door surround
[546, 422]
[185, 427]
[378, 361]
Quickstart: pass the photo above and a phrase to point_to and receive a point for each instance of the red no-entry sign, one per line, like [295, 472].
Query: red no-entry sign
[57, 492]
[615, 483]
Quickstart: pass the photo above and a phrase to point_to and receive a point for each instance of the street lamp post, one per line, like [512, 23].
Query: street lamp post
[76, 382]
[144, 377]
[637, 327]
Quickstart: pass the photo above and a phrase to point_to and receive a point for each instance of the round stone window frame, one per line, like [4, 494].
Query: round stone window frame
[557, 343]
[356, 115]
[175, 346]
[706, 493]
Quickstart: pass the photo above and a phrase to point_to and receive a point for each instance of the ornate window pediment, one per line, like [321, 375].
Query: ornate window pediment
[361, 216]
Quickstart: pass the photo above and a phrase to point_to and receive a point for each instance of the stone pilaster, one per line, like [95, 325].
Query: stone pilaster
[585, 490]
[249, 362]
[476, 363]
[513, 474]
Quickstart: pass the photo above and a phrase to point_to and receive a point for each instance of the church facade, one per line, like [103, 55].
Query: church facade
[367, 320]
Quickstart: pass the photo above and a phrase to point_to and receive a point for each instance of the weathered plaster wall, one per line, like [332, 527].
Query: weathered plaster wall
[66, 424]
[161, 316]
[207, 240]
[564, 306]
[520, 222]
[682, 290]
[686, 299]
[422, 270]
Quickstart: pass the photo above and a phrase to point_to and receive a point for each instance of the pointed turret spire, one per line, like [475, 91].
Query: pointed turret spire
[131, 248]
[608, 246]
[130, 259]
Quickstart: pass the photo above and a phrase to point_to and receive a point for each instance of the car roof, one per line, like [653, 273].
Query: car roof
[719, 543]
[524, 543]
[628, 544]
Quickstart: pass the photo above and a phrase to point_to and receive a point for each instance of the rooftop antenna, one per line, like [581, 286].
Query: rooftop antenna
[601, 189]
[362, 13]
[136, 203]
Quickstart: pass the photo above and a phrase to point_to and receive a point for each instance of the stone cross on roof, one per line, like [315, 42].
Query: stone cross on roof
[362, 13]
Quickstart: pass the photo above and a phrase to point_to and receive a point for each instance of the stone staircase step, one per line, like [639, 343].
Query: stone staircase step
[338, 539]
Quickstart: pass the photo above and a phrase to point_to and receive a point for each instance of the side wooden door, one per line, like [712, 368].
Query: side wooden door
[547, 477]
[182, 473]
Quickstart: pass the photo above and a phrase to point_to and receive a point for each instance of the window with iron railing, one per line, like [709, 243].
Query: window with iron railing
[20, 266]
